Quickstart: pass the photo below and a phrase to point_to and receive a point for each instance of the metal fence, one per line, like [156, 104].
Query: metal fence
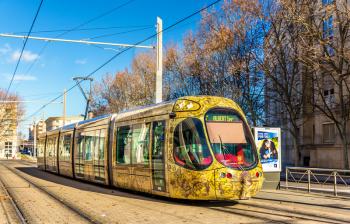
[331, 180]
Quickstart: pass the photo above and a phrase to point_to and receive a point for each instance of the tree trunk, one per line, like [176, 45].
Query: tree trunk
[296, 151]
[345, 149]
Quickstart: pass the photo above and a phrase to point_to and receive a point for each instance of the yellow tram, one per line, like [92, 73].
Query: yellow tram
[196, 147]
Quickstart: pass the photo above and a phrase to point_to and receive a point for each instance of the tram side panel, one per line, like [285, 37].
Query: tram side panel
[51, 153]
[41, 153]
[138, 155]
[125, 167]
[90, 154]
[190, 162]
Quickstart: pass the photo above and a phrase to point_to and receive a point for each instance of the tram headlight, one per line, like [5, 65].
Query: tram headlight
[229, 175]
[186, 105]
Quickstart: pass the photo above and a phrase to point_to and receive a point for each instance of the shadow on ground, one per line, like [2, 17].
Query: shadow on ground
[98, 188]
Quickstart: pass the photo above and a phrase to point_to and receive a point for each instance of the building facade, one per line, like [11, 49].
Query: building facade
[325, 98]
[39, 128]
[56, 122]
[8, 130]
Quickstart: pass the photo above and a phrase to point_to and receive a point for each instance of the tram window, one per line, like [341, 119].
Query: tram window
[80, 143]
[61, 148]
[66, 146]
[102, 145]
[89, 143]
[230, 140]
[158, 139]
[54, 146]
[51, 147]
[140, 143]
[96, 150]
[190, 146]
[41, 147]
[124, 136]
[48, 147]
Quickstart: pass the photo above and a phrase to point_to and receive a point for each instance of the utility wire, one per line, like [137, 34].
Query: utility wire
[113, 34]
[76, 28]
[85, 29]
[121, 52]
[97, 17]
[24, 45]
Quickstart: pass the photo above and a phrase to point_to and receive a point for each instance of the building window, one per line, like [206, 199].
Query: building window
[6, 122]
[329, 97]
[328, 34]
[8, 145]
[328, 91]
[8, 133]
[8, 149]
[328, 133]
[327, 2]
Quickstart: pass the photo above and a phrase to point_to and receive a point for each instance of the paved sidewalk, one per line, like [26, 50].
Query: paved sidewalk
[342, 190]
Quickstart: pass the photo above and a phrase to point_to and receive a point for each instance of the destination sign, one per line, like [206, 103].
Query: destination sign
[222, 117]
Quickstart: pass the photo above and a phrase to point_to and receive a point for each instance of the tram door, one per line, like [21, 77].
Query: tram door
[158, 147]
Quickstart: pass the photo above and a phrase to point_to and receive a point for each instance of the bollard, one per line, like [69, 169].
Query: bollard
[309, 181]
[287, 178]
[335, 183]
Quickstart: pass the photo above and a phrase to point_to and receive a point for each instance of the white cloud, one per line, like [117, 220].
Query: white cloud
[19, 77]
[27, 56]
[5, 49]
[25, 78]
[81, 61]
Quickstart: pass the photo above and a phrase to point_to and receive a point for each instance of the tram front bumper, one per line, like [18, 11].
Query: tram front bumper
[240, 185]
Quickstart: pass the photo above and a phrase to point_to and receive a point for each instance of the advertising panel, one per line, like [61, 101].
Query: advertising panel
[268, 142]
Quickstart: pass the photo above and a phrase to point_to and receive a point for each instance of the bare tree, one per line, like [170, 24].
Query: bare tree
[126, 89]
[325, 45]
[285, 88]
[219, 59]
[11, 112]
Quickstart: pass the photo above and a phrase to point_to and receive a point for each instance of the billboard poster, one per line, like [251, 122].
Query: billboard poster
[268, 143]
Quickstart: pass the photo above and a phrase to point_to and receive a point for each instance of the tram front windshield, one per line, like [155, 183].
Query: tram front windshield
[229, 138]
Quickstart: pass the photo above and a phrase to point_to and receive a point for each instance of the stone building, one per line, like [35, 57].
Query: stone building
[319, 139]
[56, 122]
[8, 130]
[40, 127]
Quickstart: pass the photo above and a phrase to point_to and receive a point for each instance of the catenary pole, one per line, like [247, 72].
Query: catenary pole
[64, 106]
[34, 140]
[159, 74]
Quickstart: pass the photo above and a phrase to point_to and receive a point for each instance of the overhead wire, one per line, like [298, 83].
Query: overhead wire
[84, 29]
[126, 49]
[118, 33]
[23, 47]
[76, 28]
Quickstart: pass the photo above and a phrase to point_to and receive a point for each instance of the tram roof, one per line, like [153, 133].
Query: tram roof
[137, 112]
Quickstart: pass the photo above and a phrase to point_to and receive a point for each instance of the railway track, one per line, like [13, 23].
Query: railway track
[23, 215]
[12, 214]
[112, 206]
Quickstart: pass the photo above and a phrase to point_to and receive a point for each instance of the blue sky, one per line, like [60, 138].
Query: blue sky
[59, 62]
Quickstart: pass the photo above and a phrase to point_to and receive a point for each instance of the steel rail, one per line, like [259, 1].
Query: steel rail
[53, 196]
[14, 204]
